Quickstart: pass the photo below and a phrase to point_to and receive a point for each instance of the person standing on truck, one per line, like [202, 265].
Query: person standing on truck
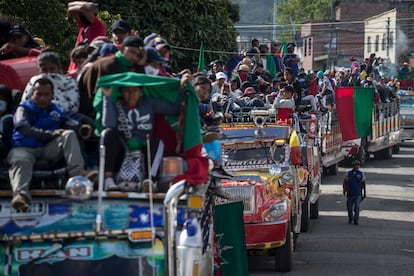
[38, 133]
[354, 189]
[90, 26]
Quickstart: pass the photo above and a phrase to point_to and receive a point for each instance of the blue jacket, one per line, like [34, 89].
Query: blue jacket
[355, 179]
[47, 119]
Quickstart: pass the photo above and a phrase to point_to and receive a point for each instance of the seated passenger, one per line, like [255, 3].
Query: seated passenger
[21, 43]
[284, 103]
[130, 119]
[250, 99]
[66, 92]
[38, 133]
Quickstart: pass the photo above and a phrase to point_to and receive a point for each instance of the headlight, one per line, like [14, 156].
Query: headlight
[79, 187]
[171, 167]
[275, 211]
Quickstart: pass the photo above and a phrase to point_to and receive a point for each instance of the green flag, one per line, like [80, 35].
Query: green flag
[270, 64]
[231, 242]
[201, 63]
[283, 49]
[182, 132]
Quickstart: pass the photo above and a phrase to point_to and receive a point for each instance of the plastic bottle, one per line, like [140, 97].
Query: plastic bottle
[189, 248]
[295, 150]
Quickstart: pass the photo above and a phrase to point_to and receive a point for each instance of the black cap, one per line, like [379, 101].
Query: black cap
[153, 55]
[121, 25]
[289, 70]
[133, 41]
[18, 29]
[291, 45]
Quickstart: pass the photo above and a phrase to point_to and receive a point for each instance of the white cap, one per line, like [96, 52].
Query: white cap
[221, 75]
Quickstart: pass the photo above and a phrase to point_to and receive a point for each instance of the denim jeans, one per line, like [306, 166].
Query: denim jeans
[353, 203]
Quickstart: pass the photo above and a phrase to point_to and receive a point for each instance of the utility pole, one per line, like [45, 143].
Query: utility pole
[329, 61]
[388, 38]
[274, 20]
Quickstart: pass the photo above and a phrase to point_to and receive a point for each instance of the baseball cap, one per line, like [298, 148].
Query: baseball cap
[320, 74]
[153, 55]
[133, 41]
[98, 41]
[356, 162]
[221, 75]
[121, 25]
[249, 91]
[18, 29]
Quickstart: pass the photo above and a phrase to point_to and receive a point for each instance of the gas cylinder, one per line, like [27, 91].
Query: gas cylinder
[189, 249]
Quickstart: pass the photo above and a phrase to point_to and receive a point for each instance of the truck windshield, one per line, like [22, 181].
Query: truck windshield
[255, 156]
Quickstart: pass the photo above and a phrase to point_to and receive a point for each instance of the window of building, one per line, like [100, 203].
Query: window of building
[376, 43]
[310, 46]
[369, 44]
[391, 40]
[305, 47]
[384, 42]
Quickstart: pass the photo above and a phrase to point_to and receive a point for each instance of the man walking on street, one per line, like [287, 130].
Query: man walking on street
[354, 190]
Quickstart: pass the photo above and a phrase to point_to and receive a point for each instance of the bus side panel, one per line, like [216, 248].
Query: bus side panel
[88, 257]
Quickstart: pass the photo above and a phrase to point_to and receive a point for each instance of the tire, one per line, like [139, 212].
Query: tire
[284, 254]
[305, 218]
[378, 155]
[333, 169]
[396, 149]
[387, 153]
[314, 210]
[363, 154]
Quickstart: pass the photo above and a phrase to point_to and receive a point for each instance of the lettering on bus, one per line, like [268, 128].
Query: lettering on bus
[28, 254]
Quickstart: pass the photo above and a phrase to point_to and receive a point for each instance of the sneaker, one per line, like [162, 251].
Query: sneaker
[219, 172]
[91, 175]
[20, 203]
[109, 184]
[356, 223]
[350, 221]
[146, 184]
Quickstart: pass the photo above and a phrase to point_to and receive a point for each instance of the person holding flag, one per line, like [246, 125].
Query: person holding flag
[137, 103]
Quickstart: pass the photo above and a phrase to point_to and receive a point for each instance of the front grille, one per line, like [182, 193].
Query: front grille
[246, 194]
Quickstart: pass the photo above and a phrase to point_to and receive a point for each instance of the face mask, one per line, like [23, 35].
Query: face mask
[3, 106]
[149, 70]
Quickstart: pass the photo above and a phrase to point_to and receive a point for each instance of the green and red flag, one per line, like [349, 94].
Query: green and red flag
[354, 110]
[181, 134]
[283, 49]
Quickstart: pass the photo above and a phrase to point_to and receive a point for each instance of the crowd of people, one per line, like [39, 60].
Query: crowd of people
[258, 78]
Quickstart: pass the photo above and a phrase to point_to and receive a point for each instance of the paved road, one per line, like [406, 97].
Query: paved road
[383, 243]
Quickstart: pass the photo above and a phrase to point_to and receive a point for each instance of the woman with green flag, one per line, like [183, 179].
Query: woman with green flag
[127, 105]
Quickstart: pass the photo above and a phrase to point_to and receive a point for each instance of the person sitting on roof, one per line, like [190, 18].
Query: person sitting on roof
[20, 44]
[284, 103]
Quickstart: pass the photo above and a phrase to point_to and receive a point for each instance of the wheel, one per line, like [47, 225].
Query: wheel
[396, 149]
[363, 154]
[387, 153]
[333, 169]
[378, 155]
[314, 210]
[283, 254]
[305, 218]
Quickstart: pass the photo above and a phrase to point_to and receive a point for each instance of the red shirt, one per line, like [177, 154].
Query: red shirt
[97, 28]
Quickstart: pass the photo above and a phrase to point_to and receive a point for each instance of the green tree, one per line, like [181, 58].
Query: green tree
[294, 12]
[183, 23]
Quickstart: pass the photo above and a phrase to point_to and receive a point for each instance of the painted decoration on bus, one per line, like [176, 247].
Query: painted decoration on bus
[90, 257]
[45, 216]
